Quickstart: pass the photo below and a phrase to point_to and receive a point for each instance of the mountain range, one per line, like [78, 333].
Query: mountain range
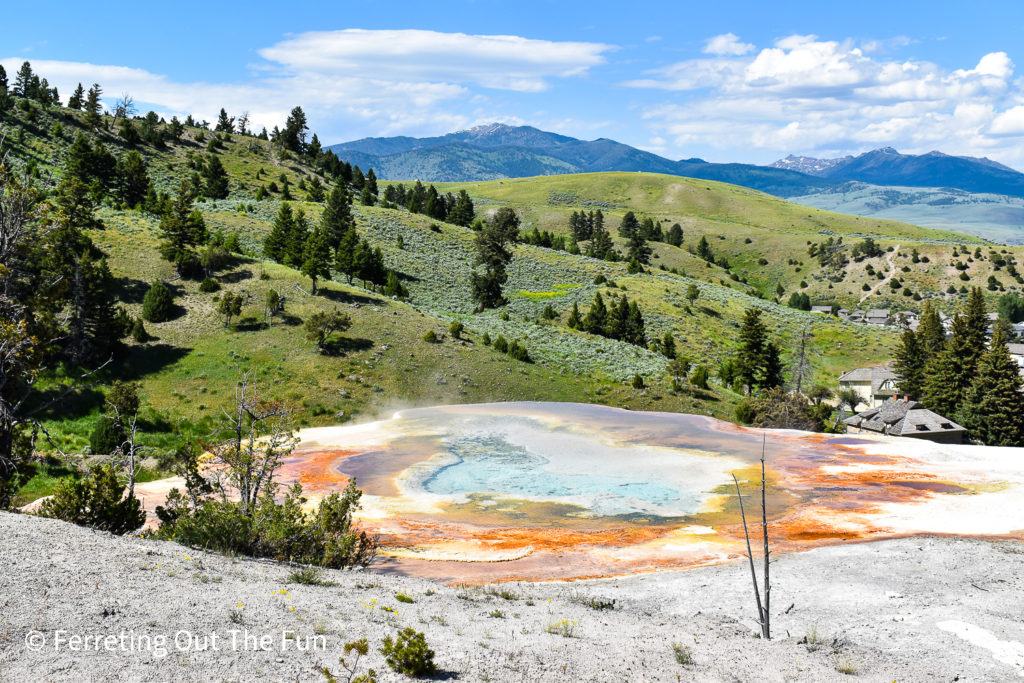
[886, 166]
[497, 151]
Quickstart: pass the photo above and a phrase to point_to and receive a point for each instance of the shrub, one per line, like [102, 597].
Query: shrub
[699, 378]
[549, 313]
[107, 436]
[209, 285]
[638, 382]
[517, 351]
[456, 329]
[95, 501]
[158, 304]
[402, 597]
[501, 344]
[562, 627]
[486, 339]
[282, 531]
[139, 333]
[682, 654]
[308, 576]
[409, 654]
[745, 413]
[430, 337]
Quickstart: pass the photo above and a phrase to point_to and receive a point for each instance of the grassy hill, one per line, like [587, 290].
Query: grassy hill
[187, 372]
[765, 239]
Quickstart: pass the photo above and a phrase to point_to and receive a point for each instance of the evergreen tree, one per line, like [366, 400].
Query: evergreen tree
[704, 250]
[493, 252]
[931, 337]
[462, 212]
[275, 244]
[315, 193]
[950, 375]
[158, 303]
[668, 345]
[215, 178]
[394, 286]
[337, 217]
[629, 225]
[367, 198]
[293, 137]
[371, 182]
[314, 149]
[993, 409]
[596, 318]
[93, 108]
[23, 81]
[183, 230]
[175, 129]
[317, 256]
[77, 99]
[296, 240]
[758, 364]
[224, 124]
[910, 364]
[639, 250]
[345, 256]
[132, 179]
[675, 235]
[600, 245]
[575, 322]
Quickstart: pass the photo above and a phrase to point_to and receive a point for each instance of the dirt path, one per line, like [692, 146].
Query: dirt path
[892, 271]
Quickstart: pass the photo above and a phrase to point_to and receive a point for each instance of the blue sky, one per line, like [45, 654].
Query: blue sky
[724, 81]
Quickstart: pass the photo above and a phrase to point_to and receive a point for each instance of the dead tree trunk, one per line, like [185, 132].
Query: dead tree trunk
[763, 608]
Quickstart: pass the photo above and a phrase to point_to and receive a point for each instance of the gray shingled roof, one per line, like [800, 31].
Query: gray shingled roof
[876, 374]
[1016, 349]
[899, 417]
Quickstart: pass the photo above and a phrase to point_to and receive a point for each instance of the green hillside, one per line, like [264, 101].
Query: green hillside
[764, 239]
[188, 368]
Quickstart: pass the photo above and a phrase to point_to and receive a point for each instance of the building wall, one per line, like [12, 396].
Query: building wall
[863, 390]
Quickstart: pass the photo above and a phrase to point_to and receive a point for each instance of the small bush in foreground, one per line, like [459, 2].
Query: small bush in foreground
[309, 576]
[682, 654]
[95, 501]
[562, 627]
[360, 648]
[409, 654]
[209, 285]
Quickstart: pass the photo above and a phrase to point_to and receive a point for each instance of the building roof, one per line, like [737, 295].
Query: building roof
[821, 309]
[903, 417]
[876, 374]
[877, 316]
[1016, 349]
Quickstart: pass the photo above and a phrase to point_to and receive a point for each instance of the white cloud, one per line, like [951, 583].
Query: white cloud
[502, 62]
[352, 82]
[807, 95]
[726, 44]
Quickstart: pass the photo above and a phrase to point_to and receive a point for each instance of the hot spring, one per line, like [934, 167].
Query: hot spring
[554, 490]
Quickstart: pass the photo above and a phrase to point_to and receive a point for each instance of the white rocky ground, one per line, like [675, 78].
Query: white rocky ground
[919, 609]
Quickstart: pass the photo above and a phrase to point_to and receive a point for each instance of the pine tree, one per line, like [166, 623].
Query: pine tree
[158, 303]
[639, 250]
[317, 256]
[629, 225]
[394, 286]
[293, 137]
[596, 317]
[23, 81]
[371, 182]
[575, 322]
[704, 250]
[993, 410]
[367, 198]
[668, 345]
[296, 240]
[758, 364]
[493, 252]
[675, 235]
[600, 245]
[77, 99]
[182, 229]
[345, 256]
[931, 336]
[950, 375]
[133, 182]
[337, 217]
[93, 108]
[910, 364]
[215, 178]
[224, 124]
[275, 243]
[462, 212]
